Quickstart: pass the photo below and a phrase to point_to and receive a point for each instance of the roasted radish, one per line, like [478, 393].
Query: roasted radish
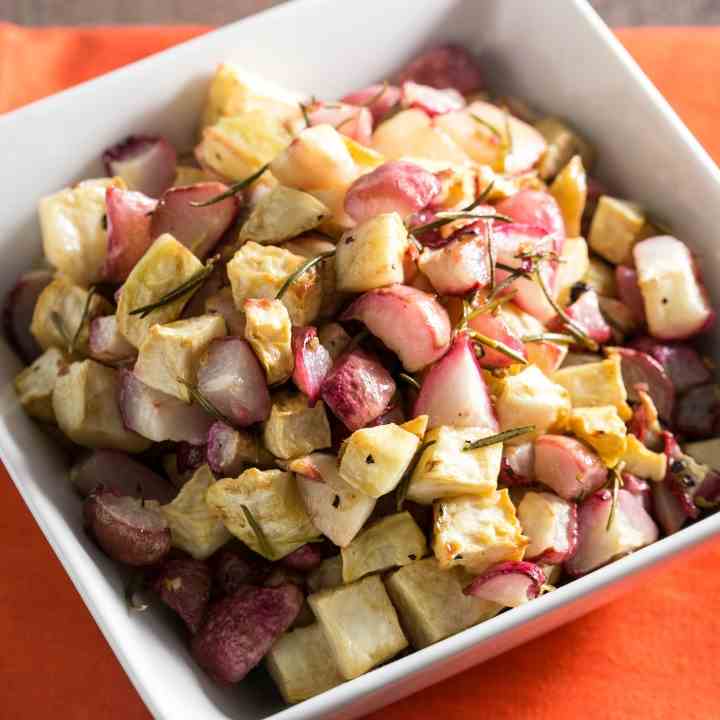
[551, 524]
[378, 99]
[312, 362]
[408, 321]
[683, 364]
[509, 583]
[183, 584]
[18, 312]
[628, 290]
[640, 369]
[585, 311]
[431, 100]
[125, 529]
[146, 163]
[445, 66]
[698, 411]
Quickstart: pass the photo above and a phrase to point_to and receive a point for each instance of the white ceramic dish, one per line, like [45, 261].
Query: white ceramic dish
[556, 54]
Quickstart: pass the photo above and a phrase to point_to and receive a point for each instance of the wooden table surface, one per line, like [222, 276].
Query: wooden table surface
[101, 12]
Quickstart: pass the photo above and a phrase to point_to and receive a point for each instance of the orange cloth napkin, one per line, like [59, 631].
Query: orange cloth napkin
[652, 654]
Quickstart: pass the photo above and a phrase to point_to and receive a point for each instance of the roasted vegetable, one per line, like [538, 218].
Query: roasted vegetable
[294, 429]
[35, 384]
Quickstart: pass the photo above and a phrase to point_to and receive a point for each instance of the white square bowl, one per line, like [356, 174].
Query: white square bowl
[558, 55]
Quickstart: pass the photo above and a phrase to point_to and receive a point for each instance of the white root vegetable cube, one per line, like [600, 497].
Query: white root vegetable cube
[575, 265]
[170, 353]
[550, 523]
[360, 625]
[194, 526]
[59, 311]
[562, 143]
[236, 147]
[596, 384]
[294, 429]
[86, 408]
[477, 531]
[316, 159]
[603, 429]
[326, 575]
[337, 509]
[616, 227]
[393, 541]
[431, 604]
[446, 470]
[73, 232]
[35, 384]
[274, 502]
[374, 459]
[643, 462]
[371, 255]
[235, 90]
[531, 398]
[412, 133]
[676, 303]
[258, 271]
[302, 665]
[281, 214]
[269, 332]
[165, 266]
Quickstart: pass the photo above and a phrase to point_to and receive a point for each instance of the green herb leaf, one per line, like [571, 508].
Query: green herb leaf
[486, 124]
[233, 189]
[190, 285]
[549, 337]
[404, 484]
[204, 402]
[498, 438]
[265, 546]
[83, 319]
[490, 239]
[307, 265]
[448, 217]
[304, 111]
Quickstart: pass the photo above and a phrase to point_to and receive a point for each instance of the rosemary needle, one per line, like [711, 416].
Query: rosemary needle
[310, 263]
[233, 189]
[404, 484]
[264, 544]
[500, 437]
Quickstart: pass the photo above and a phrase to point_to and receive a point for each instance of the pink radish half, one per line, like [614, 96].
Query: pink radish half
[496, 328]
[445, 66]
[681, 362]
[551, 524]
[351, 120]
[509, 583]
[585, 311]
[18, 312]
[638, 368]
[408, 321]
[459, 267]
[567, 466]
[431, 100]
[454, 391]
[146, 163]
[383, 97]
[629, 291]
[312, 362]
[631, 528]
[536, 208]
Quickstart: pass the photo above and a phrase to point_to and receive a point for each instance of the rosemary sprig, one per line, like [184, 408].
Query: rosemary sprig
[498, 346]
[304, 111]
[549, 337]
[83, 319]
[617, 483]
[490, 240]
[344, 122]
[190, 285]
[492, 303]
[377, 95]
[265, 546]
[57, 321]
[307, 265]
[402, 487]
[487, 125]
[409, 379]
[233, 189]
[448, 217]
[204, 402]
[498, 438]
[572, 327]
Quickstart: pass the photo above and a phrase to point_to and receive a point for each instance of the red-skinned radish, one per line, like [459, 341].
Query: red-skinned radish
[232, 379]
[496, 328]
[551, 525]
[198, 228]
[190, 457]
[235, 567]
[409, 322]
[146, 163]
[536, 208]
[312, 362]
[454, 392]
[639, 368]
[158, 416]
[120, 473]
[518, 464]
[351, 120]
[568, 467]
[240, 629]
[398, 186]
[585, 311]
[681, 362]
[129, 215]
[18, 312]
[630, 529]
[698, 411]
[509, 583]
[183, 584]
[445, 66]
[430, 100]
[358, 389]
[457, 268]
[676, 302]
[379, 99]
[127, 531]
[304, 559]
[629, 291]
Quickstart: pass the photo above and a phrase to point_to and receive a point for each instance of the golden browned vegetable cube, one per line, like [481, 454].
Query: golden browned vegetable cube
[294, 428]
[35, 384]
